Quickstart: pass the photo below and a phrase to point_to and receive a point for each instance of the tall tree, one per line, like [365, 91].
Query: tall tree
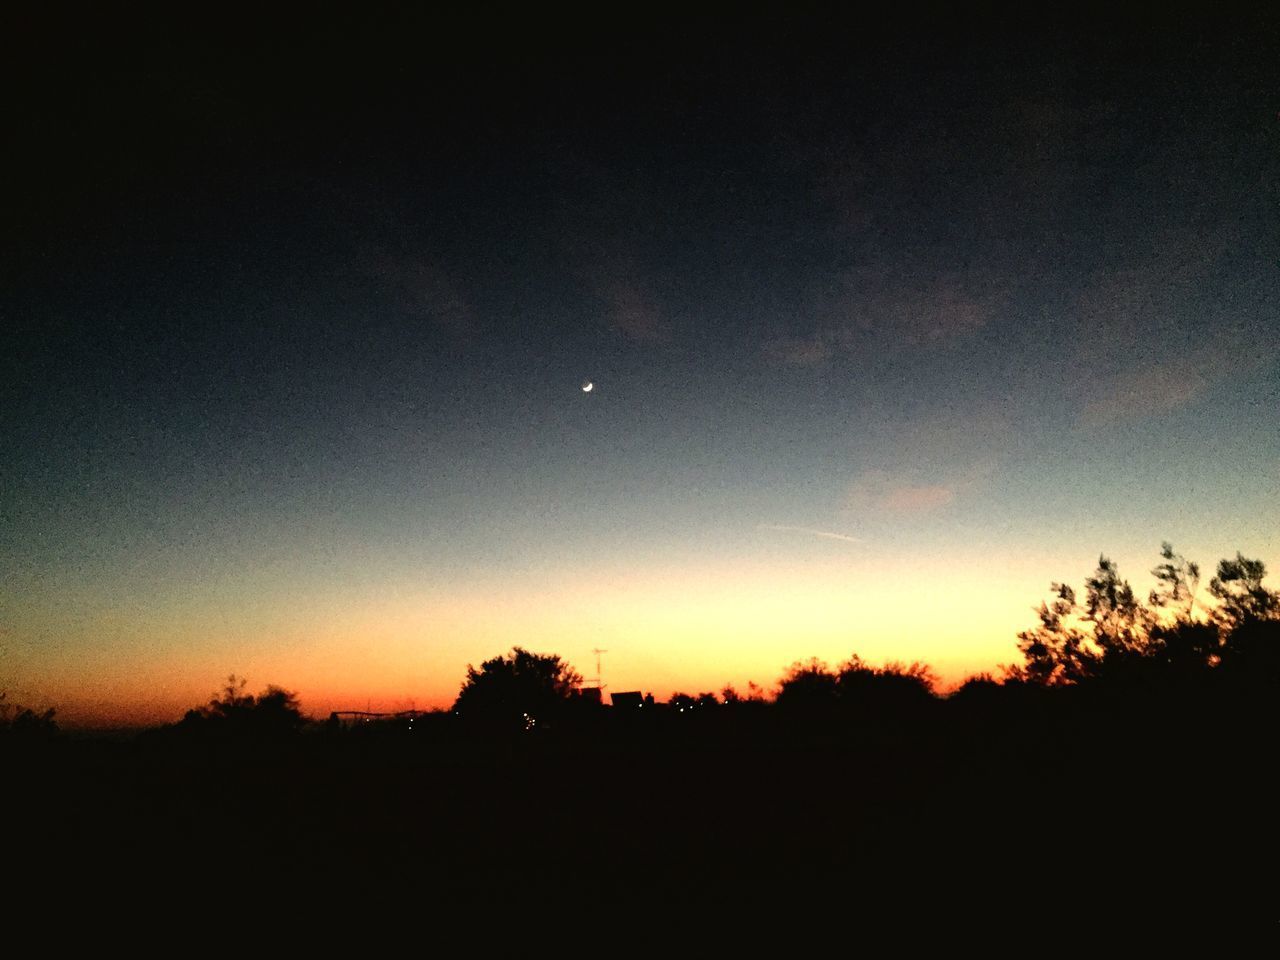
[1240, 594]
[1177, 582]
[1057, 651]
[1119, 619]
[1075, 641]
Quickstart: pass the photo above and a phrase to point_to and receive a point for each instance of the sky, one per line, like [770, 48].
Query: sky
[889, 325]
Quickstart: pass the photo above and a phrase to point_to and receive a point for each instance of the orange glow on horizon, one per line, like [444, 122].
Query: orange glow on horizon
[689, 629]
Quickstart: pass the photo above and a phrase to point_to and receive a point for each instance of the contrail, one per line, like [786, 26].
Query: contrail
[809, 530]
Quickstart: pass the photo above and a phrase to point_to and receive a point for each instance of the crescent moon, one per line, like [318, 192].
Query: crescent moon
[588, 387]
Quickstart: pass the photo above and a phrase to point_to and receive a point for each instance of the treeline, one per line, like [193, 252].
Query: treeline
[1180, 642]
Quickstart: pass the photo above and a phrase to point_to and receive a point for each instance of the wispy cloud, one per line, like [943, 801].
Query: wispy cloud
[420, 288]
[917, 499]
[914, 308]
[799, 351]
[828, 534]
[1151, 338]
[1138, 392]
[631, 309]
[879, 492]
[876, 310]
[1146, 393]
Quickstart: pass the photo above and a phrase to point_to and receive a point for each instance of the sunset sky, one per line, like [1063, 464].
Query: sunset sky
[887, 329]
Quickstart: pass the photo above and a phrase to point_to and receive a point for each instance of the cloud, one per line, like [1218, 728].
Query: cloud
[784, 528]
[927, 462]
[876, 310]
[632, 313]
[914, 309]
[1158, 390]
[420, 288]
[917, 499]
[875, 491]
[799, 351]
[1150, 336]
[1139, 392]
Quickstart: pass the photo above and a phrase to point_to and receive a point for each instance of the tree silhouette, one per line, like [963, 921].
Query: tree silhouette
[1057, 650]
[1108, 632]
[1119, 619]
[1113, 634]
[754, 695]
[1186, 646]
[1177, 582]
[23, 723]
[231, 711]
[1240, 594]
[231, 700]
[520, 690]
[685, 703]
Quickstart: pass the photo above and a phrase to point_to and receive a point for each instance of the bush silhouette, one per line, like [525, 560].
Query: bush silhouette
[233, 713]
[808, 686]
[22, 724]
[889, 691]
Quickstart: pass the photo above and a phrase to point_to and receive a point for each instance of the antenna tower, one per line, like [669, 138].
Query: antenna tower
[599, 684]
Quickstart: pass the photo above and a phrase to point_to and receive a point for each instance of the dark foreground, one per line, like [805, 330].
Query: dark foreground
[1064, 806]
